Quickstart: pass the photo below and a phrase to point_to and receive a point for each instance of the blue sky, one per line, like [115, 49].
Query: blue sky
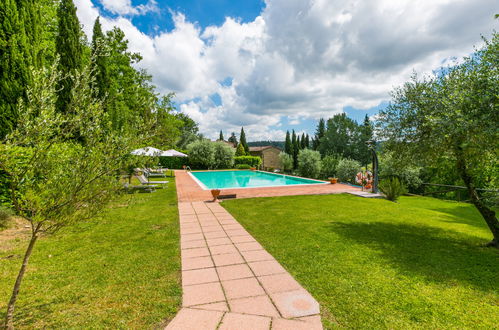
[277, 65]
[205, 12]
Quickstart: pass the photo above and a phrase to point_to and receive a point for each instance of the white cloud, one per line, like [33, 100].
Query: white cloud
[299, 58]
[124, 7]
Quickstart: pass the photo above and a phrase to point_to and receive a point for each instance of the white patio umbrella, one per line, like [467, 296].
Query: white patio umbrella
[173, 153]
[147, 151]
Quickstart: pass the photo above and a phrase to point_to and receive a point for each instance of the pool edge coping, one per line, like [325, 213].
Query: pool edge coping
[203, 186]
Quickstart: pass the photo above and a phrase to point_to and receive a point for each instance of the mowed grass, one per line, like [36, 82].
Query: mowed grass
[373, 264]
[119, 271]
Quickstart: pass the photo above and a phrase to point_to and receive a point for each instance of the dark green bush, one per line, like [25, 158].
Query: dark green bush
[392, 187]
[243, 166]
[174, 162]
[253, 161]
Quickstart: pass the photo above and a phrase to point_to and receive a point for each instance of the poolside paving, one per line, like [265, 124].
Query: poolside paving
[189, 191]
[229, 281]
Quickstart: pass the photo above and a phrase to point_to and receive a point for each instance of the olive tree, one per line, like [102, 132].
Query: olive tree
[309, 163]
[451, 117]
[223, 155]
[202, 153]
[347, 169]
[70, 163]
[286, 161]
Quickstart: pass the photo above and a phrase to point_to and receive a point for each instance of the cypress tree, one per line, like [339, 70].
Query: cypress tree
[15, 59]
[242, 140]
[295, 149]
[319, 133]
[307, 141]
[221, 137]
[240, 150]
[365, 134]
[99, 62]
[288, 147]
[298, 142]
[303, 142]
[30, 16]
[70, 50]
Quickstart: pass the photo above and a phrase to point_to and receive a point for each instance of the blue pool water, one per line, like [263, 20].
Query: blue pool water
[247, 179]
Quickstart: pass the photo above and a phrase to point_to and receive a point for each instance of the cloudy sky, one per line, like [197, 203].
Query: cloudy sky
[275, 65]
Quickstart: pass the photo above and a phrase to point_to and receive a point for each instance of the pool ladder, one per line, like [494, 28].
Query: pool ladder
[188, 168]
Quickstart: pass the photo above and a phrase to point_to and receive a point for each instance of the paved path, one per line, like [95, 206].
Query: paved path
[230, 282]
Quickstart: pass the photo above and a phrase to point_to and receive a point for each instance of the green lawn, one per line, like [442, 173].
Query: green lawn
[119, 271]
[372, 263]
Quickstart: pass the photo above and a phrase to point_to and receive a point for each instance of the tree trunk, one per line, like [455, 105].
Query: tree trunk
[9, 318]
[488, 214]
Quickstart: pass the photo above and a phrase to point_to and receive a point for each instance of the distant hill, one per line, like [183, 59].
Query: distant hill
[279, 144]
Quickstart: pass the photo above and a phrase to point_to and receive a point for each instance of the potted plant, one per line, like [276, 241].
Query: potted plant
[333, 180]
[215, 193]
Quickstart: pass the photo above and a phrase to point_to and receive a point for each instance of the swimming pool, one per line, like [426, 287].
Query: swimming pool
[246, 179]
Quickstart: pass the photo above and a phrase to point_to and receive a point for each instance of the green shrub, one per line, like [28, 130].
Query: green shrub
[243, 166]
[309, 163]
[253, 161]
[240, 150]
[202, 153]
[286, 161]
[19, 156]
[329, 165]
[392, 188]
[347, 169]
[5, 215]
[175, 162]
[223, 156]
[409, 174]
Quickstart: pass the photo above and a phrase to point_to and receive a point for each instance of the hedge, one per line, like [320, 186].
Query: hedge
[243, 166]
[253, 161]
[174, 162]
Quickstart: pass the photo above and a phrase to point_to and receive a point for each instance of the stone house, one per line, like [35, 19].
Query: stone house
[269, 156]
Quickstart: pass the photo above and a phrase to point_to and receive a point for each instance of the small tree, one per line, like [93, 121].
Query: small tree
[202, 153]
[329, 165]
[242, 140]
[240, 150]
[223, 156]
[347, 169]
[392, 187]
[309, 163]
[233, 139]
[60, 181]
[221, 137]
[286, 161]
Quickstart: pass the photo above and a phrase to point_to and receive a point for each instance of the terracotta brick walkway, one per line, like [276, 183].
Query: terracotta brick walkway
[230, 282]
[189, 191]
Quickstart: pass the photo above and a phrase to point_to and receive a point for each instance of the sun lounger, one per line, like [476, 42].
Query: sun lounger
[143, 180]
[142, 188]
[149, 173]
